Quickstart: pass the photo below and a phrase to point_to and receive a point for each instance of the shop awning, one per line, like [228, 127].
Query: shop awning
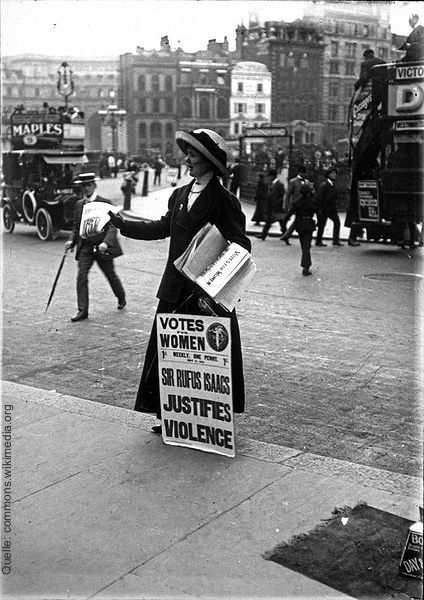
[65, 159]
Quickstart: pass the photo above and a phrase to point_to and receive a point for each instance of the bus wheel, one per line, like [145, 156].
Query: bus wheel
[43, 222]
[29, 206]
[8, 222]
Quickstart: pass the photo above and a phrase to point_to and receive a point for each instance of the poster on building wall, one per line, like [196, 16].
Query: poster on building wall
[195, 382]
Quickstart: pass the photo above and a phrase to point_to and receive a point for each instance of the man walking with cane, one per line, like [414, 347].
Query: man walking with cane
[101, 248]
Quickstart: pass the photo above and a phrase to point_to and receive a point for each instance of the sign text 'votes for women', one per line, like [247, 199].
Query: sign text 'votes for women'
[195, 382]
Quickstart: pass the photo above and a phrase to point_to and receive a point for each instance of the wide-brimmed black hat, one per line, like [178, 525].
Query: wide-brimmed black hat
[86, 178]
[209, 143]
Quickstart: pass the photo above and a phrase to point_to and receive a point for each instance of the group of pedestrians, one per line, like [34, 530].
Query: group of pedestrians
[299, 204]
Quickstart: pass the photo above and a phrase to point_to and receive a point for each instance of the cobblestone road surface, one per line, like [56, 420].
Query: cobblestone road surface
[331, 361]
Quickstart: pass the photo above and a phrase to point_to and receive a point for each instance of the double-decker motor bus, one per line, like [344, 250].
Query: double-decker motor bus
[387, 137]
[44, 153]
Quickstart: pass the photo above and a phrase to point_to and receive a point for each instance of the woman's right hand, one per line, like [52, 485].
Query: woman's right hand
[116, 220]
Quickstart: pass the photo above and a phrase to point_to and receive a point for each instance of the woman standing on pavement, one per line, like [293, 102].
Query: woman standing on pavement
[190, 207]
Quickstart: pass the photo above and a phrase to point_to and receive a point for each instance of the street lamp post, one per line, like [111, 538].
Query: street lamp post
[65, 82]
[112, 116]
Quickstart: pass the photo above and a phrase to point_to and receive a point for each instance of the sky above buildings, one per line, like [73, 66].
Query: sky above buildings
[110, 27]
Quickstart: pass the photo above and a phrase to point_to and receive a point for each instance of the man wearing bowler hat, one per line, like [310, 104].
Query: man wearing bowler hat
[101, 248]
[190, 207]
[327, 208]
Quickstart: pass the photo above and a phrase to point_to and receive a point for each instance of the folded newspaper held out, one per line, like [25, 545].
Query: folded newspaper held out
[222, 269]
[94, 218]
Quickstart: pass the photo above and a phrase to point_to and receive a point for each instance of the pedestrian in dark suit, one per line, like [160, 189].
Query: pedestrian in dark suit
[101, 248]
[190, 207]
[366, 65]
[292, 196]
[327, 208]
[261, 194]
[235, 177]
[305, 209]
[414, 44]
[274, 204]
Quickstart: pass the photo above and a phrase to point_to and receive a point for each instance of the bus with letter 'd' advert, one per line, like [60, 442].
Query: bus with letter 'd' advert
[386, 145]
[43, 153]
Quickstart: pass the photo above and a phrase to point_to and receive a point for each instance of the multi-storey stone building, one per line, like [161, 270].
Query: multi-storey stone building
[348, 30]
[148, 84]
[31, 80]
[169, 89]
[250, 103]
[315, 61]
[204, 90]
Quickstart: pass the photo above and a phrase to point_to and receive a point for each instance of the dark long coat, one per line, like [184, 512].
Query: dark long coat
[215, 205]
[327, 199]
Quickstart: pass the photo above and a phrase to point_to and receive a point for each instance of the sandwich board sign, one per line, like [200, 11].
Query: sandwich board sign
[194, 356]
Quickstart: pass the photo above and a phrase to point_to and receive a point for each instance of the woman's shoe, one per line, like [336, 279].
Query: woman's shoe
[306, 272]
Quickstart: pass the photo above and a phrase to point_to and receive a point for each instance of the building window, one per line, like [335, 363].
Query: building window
[185, 78]
[334, 49]
[221, 109]
[350, 68]
[155, 83]
[239, 86]
[155, 105]
[334, 67]
[239, 107]
[333, 110]
[37, 92]
[260, 108]
[350, 49]
[156, 130]
[169, 105]
[220, 80]
[348, 90]
[141, 82]
[169, 131]
[290, 60]
[304, 61]
[236, 128]
[260, 87]
[282, 60]
[141, 132]
[142, 105]
[333, 89]
[204, 108]
[203, 79]
[168, 83]
[185, 105]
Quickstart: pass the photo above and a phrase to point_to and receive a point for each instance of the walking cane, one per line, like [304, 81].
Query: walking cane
[62, 262]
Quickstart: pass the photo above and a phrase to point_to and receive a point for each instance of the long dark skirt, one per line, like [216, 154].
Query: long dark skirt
[148, 395]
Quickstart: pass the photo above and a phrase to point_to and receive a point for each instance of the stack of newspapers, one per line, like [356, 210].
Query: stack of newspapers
[222, 269]
[94, 218]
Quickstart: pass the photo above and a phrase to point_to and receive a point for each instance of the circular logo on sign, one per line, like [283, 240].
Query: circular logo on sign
[217, 337]
[29, 140]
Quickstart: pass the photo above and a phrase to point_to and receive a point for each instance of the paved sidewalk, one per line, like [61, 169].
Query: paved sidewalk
[101, 508]
[155, 205]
